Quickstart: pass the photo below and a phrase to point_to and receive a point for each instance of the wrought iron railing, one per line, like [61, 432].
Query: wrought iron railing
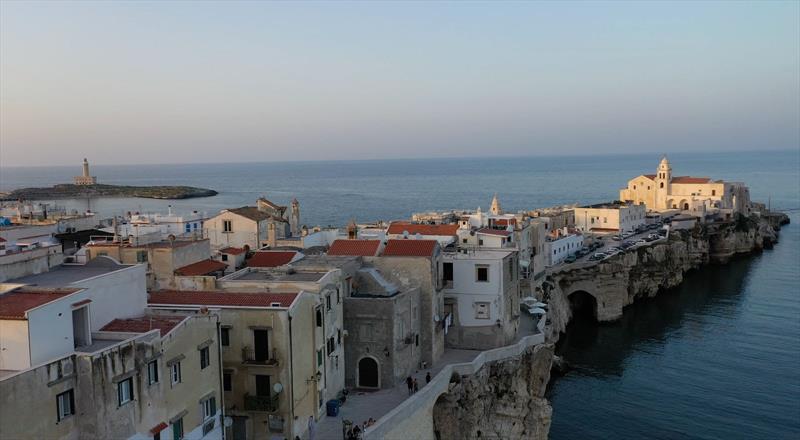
[261, 403]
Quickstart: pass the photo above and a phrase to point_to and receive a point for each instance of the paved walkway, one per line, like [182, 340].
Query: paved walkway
[361, 405]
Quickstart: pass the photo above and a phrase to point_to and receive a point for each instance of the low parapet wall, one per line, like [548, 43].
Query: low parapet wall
[413, 419]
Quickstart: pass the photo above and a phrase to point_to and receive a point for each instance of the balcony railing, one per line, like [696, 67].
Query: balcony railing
[249, 357]
[261, 403]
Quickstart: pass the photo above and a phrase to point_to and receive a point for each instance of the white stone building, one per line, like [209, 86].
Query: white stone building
[613, 217]
[700, 195]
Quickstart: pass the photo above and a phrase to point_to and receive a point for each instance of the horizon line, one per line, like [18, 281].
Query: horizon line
[510, 156]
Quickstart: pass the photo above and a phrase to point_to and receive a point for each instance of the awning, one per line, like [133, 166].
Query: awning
[537, 311]
[524, 263]
[158, 428]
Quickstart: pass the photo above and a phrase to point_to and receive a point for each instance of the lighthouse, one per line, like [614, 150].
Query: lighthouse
[86, 178]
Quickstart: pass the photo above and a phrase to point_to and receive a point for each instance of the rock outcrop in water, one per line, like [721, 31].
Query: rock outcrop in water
[503, 400]
[70, 191]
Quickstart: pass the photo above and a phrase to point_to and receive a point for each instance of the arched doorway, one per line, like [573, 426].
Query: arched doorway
[368, 373]
[583, 305]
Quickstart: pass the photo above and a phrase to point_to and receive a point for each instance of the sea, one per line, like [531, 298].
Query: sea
[715, 358]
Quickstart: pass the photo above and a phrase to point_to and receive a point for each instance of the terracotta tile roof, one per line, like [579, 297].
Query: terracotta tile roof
[416, 228]
[410, 248]
[2, 240]
[650, 176]
[271, 258]
[689, 179]
[232, 250]
[204, 267]
[14, 304]
[490, 231]
[362, 248]
[221, 298]
[505, 221]
[144, 324]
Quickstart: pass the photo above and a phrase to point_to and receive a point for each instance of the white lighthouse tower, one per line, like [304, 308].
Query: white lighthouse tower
[86, 178]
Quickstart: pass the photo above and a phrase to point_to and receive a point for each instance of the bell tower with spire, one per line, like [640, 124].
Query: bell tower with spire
[294, 218]
[495, 209]
[663, 179]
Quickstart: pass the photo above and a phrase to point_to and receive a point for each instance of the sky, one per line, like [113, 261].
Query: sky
[182, 82]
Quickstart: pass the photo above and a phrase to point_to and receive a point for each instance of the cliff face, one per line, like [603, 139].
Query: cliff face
[503, 400]
[645, 271]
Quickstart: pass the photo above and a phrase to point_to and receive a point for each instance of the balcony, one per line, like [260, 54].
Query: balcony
[261, 403]
[250, 357]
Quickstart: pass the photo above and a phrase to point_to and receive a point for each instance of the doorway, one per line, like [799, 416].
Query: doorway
[81, 333]
[368, 376]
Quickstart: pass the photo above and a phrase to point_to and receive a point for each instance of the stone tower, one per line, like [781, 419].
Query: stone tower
[86, 178]
[663, 179]
[294, 218]
[495, 209]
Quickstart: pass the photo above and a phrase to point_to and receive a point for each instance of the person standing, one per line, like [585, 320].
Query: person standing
[410, 383]
[428, 377]
[416, 386]
[312, 427]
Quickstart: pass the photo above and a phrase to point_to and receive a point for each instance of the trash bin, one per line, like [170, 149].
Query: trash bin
[332, 408]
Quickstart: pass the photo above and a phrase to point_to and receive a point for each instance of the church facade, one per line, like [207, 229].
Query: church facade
[697, 195]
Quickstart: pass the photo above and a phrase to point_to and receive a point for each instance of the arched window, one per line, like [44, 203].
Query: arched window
[662, 184]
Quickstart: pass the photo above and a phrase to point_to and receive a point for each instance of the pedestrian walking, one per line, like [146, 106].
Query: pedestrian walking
[428, 377]
[416, 386]
[410, 383]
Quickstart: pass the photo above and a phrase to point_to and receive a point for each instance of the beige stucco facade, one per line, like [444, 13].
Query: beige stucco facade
[28, 409]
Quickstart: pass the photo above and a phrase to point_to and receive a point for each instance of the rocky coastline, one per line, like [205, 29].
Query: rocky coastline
[506, 399]
[70, 191]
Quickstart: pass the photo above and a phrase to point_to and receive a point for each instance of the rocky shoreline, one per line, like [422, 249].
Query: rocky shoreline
[506, 399]
[70, 191]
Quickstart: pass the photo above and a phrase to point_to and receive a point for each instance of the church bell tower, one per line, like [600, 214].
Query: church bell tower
[663, 179]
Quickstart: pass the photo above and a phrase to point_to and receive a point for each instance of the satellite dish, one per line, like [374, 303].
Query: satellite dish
[277, 388]
[228, 421]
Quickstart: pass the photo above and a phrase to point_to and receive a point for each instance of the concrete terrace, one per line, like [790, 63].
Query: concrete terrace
[362, 404]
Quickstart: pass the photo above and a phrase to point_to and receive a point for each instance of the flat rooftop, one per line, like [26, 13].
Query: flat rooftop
[471, 254]
[276, 276]
[66, 274]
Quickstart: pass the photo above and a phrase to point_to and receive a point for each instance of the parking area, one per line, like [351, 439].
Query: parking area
[610, 244]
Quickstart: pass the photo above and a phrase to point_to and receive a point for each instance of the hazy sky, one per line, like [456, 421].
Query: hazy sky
[151, 82]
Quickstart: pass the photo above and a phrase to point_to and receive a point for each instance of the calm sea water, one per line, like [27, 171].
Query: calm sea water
[718, 357]
[335, 192]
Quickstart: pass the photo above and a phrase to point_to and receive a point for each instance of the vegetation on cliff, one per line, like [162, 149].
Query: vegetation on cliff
[70, 191]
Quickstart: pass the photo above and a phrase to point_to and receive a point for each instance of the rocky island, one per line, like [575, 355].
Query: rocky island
[71, 191]
[86, 186]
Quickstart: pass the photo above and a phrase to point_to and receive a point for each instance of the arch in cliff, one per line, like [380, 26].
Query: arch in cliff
[583, 305]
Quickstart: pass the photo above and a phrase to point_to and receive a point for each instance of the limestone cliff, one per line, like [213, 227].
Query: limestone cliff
[645, 271]
[503, 400]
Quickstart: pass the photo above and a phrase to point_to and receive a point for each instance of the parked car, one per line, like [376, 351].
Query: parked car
[627, 235]
[570, 259]
[616, 238]
[640, 241]
[598, 256]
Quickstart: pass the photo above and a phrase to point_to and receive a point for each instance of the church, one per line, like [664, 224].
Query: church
[699, 196]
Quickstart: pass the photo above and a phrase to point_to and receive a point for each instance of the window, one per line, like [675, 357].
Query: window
[338, 296]
[204, 358]
[319, 357]
[227, 381]
[177, 429]
[188, 227]
[480, 242]
[141, 256]
[482, 274]
[152, 372]
[175, 373]
[225, 336]
[713, 192]
[224, 257]
[209, 408]
[464, 240]
[605, 219]
[125, 391]
[327, 302]
[66, 404]
[661, 185]
[482, 310]
[227, 226]
[447, 272]
[331, 345]
[319, 318]
[263, 387]
[339, 336]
